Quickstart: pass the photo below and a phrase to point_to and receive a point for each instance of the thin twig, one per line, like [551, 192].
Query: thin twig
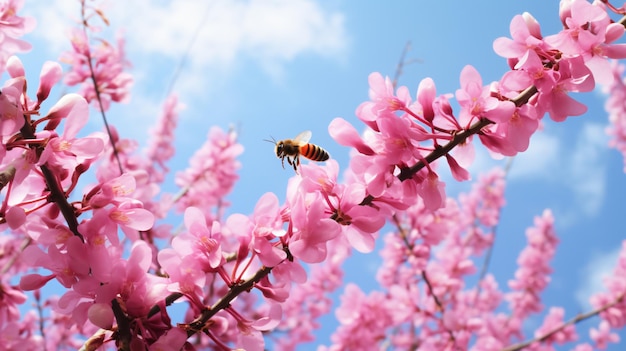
[438, 302]
[27, 240]
[42, 330]
[576, 319]
[97, 90]
[199, 323]
[187, 50]
[402, 63]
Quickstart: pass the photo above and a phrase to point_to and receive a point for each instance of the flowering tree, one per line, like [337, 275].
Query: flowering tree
[250, 280]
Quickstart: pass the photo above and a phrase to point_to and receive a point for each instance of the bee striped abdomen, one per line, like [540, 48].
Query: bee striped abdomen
[314, 152]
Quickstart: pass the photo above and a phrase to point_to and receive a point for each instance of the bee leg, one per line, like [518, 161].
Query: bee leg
[296, 163]
[282, 161]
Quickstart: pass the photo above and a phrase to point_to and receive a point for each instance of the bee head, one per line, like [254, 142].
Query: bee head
[280, 149]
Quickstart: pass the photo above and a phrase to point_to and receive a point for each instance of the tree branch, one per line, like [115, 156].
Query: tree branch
[576, 319]
[200, 322]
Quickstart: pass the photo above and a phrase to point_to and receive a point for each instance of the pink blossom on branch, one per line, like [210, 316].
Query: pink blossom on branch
[616, 109]
[12, 27]
[160, 148]
[429, 262]
[533, 274]
[613, 301]
[103, 64]
[602, 336]
[211, 174]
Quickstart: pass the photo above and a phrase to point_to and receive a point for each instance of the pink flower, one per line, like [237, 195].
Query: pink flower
[345, 134]
[51, 74]
[360, 224]
[574, 77]
[116, 190]
[363, 319]
[312, 228]
[130, 216]
[160, 146]
[532, 276]
[261, 228]
[529, 71]
[108, 64]
[67, 264]
[129, 280]
[185, 274]
[602, 336]
[614, 295]
[585, 26]
[476, 101]
[525, 34]
[200, 241]
[10, 299]
[211, 174]
[617, 111]
[552, 322]
[513, 135]
[66, 151]
[383, 103]
[432, 191]
[11, 28]
[11, 117]
[172, 340]
[310, 299]
[398, 140]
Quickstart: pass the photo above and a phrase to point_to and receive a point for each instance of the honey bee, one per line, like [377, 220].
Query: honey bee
[292, 149]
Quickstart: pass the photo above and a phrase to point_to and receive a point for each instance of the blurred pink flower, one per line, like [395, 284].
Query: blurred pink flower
[11, 28]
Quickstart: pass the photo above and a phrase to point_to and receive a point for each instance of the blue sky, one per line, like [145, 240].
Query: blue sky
[276, 68]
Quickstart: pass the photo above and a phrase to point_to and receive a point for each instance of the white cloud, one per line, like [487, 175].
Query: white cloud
[222, 33]
[579, 166]
[540, 161]
[599, 267]
[587, 168]
[54, 23]
[265, 30]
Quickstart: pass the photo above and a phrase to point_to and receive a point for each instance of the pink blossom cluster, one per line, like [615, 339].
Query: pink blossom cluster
[148, 169]
[311, 300]
[211, 174]
[12, 27]
[103, 65]
[241, 277]
[613, 299]
[533, 274]
[615, 107]
[426, 262]
[406, 135]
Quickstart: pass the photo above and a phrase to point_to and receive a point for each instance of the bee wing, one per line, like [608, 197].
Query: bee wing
[303, 137]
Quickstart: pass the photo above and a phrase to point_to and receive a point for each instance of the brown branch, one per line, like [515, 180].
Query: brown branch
[92, 74]
[409, 172]
[460, 137]
[123, 326]
[402, 63]
[57, 195]
[200, 322]
[438, 302]
[576, 319]
[168, 301]
[27, 240]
